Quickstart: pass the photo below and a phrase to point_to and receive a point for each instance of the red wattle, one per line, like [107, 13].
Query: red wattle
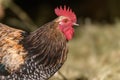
[69, 33]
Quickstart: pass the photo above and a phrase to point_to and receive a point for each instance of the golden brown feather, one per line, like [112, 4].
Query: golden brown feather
[12, 53]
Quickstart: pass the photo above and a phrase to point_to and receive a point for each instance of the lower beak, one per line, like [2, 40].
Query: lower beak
[76, 24]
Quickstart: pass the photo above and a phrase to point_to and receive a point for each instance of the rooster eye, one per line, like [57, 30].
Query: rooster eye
[65, 20]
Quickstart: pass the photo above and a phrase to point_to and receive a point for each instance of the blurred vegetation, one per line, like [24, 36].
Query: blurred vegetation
[94, 53]
[104, 11]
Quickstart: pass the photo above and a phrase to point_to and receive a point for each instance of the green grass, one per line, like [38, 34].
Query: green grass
[94, 53]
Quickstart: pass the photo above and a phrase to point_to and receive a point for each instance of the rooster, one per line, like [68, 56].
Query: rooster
[37, 55]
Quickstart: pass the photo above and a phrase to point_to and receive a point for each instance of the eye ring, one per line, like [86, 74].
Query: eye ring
[65, 20]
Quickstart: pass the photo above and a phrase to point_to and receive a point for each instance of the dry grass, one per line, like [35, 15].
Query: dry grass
[94, 54]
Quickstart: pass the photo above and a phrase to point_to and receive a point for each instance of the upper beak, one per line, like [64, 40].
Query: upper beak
[76, 24]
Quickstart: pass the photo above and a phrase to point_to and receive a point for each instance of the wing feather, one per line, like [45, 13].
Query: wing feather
[12, 52]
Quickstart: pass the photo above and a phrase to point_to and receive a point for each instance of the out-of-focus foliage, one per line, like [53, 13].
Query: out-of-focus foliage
[97, 10]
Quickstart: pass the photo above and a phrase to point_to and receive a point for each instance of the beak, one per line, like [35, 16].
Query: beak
[75, 24]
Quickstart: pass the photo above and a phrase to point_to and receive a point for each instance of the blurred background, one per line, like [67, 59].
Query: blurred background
[94, 53]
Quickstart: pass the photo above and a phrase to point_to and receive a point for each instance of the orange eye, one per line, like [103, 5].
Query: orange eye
[65, 20]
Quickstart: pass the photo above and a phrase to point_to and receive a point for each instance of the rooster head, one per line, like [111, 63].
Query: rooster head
[66, 19]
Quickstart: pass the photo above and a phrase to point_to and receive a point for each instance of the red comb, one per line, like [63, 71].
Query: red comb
[65, 12]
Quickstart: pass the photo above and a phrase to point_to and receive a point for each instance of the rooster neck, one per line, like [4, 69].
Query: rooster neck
[47, 45]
